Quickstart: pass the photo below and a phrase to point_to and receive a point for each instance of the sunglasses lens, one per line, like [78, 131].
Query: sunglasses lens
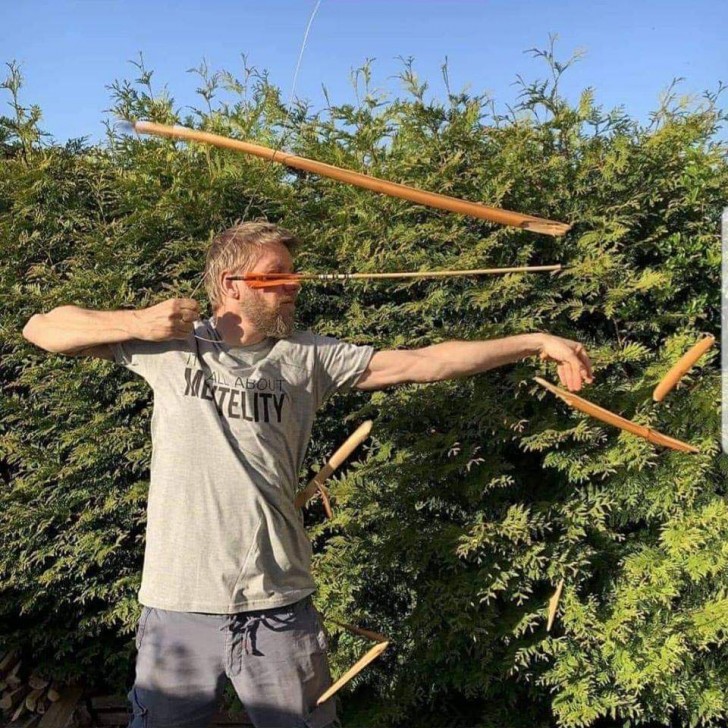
[271, 284]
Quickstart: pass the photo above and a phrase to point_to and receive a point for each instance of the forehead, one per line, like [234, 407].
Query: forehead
[273, 256]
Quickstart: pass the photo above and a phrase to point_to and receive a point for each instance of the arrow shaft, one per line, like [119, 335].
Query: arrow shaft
[264, 280]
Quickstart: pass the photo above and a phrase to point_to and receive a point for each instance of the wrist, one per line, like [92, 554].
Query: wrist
[536, 343]
[133, 325]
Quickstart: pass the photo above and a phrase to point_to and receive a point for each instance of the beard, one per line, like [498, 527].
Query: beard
[274, 322]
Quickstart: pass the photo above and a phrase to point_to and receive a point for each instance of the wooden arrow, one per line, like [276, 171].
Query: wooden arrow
[265, 280]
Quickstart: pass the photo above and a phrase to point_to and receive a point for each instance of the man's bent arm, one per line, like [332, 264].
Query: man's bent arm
[74, 330]
[453, 359]
[70, 329]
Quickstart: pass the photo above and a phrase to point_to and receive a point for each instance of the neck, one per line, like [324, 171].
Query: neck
[235, 330]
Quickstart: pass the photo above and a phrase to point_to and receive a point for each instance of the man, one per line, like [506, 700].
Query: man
[226, 581]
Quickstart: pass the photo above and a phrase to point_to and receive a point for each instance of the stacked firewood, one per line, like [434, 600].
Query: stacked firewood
[105, 710]
[28, 699]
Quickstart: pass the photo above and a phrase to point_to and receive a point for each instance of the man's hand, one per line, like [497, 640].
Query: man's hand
[574, 366]
[172, 319]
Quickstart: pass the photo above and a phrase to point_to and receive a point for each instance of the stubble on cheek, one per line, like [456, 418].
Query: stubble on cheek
[276, 322]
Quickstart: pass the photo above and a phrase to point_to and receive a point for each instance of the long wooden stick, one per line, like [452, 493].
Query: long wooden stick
[264, 280]
[317, 482]
[681, 367]
[393, 189]
[611, 418]
[59, 714]
[354, 670]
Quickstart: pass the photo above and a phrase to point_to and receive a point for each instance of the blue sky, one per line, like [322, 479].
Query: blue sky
[71, 50]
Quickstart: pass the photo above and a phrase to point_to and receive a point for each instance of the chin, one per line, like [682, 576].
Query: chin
[281, 331]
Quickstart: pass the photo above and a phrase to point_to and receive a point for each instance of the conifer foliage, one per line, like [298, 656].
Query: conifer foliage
[474, 497]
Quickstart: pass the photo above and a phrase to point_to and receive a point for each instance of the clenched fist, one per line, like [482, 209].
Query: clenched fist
[172, 319]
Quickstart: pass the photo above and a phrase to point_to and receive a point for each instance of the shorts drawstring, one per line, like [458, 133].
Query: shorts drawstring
[242, 638]
[243, 631]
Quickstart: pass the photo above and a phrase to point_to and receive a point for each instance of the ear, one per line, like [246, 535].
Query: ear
[230, 288]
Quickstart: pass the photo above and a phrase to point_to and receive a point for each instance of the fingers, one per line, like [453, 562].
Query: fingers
[574, 366]
[560, 370]
[178, 332]
[184, 312]
[170, 319]
[569, 374]
[182, 305]
[574, 370]
[577, 373]
[585, 362]
[188, 316]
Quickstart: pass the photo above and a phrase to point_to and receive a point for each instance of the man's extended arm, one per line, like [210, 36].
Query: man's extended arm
[453, 359]
[72, 330]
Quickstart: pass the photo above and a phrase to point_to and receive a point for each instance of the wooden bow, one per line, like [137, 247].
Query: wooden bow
[357, 179]
[316, 484]
[361, 663]
[681, 367]
[615, 420]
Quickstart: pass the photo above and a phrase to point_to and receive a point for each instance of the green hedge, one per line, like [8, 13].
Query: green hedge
[474, 497]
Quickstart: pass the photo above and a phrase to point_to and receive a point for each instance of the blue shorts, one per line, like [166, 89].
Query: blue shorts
[275, 659]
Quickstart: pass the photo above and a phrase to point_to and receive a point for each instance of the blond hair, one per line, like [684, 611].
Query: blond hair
[237, 248]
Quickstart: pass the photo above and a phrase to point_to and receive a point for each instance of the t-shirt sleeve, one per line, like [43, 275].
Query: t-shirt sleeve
[339, 365]
[145, 358]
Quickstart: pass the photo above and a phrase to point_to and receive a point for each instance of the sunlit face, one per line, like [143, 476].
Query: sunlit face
[271, 310]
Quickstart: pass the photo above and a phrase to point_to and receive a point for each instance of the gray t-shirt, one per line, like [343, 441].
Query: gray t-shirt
[230, 428]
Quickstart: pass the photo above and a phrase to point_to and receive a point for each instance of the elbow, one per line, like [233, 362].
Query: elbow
[30, 330]
[37, 331]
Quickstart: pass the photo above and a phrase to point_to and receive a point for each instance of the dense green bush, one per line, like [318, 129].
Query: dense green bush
[474, 497]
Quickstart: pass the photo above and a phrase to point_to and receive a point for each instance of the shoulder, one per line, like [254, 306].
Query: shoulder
[308, 339]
